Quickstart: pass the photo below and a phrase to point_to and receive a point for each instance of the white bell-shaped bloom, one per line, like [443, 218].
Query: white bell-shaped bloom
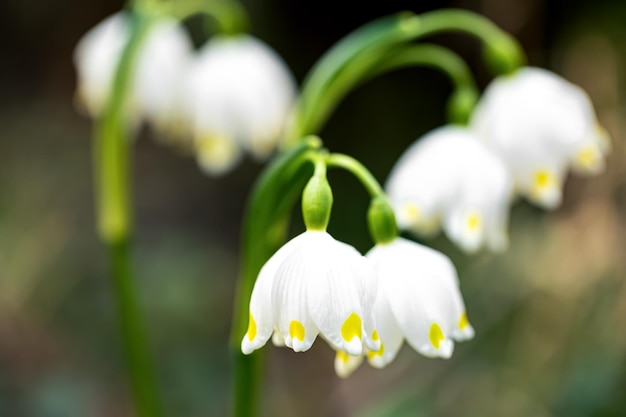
[96, 57]
[419, 300]
[540, 124]
[314, 285]
[162, 62]
[240, 95]
[450, 179]
[162, 68]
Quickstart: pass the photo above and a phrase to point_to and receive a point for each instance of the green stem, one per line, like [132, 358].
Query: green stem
[426, 55]
[265, 229]
[226, 16]
[358, 170]
[352, 59]
[112, 172]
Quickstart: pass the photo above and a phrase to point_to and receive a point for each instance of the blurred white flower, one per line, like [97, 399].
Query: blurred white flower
[96, 57]
[539, 124]
[418, 300]
[156, 91]
[240, 95]
[314, 285]
[449, 178]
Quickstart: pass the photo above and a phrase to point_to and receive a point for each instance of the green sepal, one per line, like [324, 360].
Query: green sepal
[503, 55]
[317, 201]
[381, 221]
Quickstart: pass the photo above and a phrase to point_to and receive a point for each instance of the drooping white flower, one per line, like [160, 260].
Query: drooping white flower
[161, 71]
[162, 61]
[419, 300]
[314, 285]
[240, 95]
[540, 125]
[96, 57]
[449, 178]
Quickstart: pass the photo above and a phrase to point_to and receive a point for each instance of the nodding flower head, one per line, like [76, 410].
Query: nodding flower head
[540, 125]
[314, 285]
[450, 179]
[239, 97]
[161, 64]
[418, 301]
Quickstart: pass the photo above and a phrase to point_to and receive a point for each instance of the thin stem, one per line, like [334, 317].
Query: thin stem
[427, 55]
[135, 341]
[352, 59]
[358, 170]
[112, 174]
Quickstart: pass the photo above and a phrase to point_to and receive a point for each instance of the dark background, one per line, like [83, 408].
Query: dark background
[550, 314]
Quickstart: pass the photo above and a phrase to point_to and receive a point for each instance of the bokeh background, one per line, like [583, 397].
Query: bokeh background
[550, 314]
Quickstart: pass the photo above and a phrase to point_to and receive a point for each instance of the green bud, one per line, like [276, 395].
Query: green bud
[504, 55]
[381, 221]
[461, 104]
[317, 201]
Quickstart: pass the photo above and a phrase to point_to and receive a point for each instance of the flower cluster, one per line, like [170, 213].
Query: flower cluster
[361, 305]
[525, 132]
[234, 94]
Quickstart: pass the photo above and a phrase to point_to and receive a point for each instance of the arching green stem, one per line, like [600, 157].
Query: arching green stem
[352, 59]
[427, 55]
[358, 170]
[112, 162]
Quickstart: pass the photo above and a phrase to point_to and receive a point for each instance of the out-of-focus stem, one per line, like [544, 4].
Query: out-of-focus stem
[112, 147]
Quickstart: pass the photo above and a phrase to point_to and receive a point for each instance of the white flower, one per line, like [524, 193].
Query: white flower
[96, 57]
[540, 124]
[162, 67]
[313, 285]
[419, 300]
[157, 80]
[450, 178]
[240, 95]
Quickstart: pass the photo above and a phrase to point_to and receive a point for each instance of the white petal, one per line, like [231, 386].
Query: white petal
[216, 153]
[388, 331]
[346, 364]
[96, 57]
[261, 305]
[336, 293]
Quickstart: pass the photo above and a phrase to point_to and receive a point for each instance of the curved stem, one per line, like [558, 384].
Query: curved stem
[352, 59]
[112, 172]
[358, 170]
[427, 55]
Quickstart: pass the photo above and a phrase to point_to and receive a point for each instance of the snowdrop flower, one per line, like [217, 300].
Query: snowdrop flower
[314, 285]
[161, 64]
[240, 94]
[418, 300]
[540, 125]
[450, 179]
[96, 57]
